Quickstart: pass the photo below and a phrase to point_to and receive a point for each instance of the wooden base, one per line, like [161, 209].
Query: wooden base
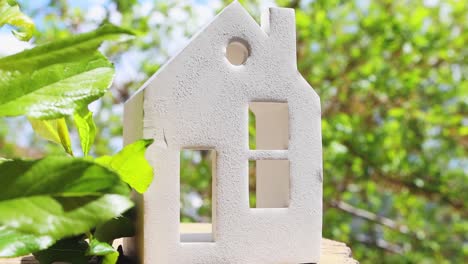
[332, 252]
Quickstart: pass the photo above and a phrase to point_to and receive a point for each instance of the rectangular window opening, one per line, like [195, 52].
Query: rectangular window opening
[197, 175]
[268, 126]
[269, 182]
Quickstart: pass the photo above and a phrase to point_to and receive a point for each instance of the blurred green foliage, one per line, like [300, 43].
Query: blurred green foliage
[392, 77]
[196, 185]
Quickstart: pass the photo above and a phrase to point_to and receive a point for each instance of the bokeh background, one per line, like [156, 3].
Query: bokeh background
[392, 77]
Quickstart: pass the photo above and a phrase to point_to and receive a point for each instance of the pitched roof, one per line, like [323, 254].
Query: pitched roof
[234, 11]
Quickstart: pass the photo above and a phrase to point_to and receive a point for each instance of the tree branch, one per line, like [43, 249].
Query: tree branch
[397, 184]
[294, 4]
[380, 243]
[384, 221]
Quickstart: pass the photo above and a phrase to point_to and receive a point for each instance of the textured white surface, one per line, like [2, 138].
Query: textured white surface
[200, 100]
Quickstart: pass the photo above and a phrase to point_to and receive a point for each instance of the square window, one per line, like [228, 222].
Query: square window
[197, 175]
[268, 125]
[269, 182]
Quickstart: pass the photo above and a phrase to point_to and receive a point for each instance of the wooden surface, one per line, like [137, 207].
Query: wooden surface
[332, 252]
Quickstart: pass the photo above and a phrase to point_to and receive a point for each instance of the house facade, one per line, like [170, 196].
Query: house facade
[200, 100]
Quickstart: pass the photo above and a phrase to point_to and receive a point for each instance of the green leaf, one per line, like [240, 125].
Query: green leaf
[72, 250]
[58, 176]
[11, 14]
[56, 79]
[125, 6]
[111, 258]
[98, 248]
[77, 251]
[86, 129]
[17, 243]
[54, 130]
[115, 228]
[56, 90]
[52, 218]
[131, 165]
[50, 199]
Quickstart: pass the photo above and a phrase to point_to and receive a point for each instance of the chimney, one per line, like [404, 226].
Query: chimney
[280, 25]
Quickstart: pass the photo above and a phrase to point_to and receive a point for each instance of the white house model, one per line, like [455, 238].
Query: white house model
[200, 100]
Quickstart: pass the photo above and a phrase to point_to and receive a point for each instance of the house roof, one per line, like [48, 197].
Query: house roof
[277, 24]
[234, 7]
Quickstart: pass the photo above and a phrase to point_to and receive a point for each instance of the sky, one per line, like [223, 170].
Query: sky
[95, 11]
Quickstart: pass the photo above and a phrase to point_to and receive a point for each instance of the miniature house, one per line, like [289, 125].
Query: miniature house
[200, 100]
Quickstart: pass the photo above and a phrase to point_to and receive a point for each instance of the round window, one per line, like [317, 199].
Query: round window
[237, 52]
